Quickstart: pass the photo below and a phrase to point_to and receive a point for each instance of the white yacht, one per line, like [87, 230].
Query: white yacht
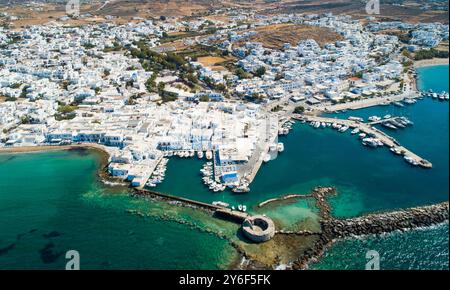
[220, 203]
[374, 118]
[396, 150]
[355, 131]
[371, 142]
[343, 129]
[280, 147]
[410, 160]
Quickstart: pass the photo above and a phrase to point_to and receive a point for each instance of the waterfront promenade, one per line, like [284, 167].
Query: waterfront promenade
[365, 103]
[368, 129]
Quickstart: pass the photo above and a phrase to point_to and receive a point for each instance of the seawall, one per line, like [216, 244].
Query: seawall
[375, 223]
[378, 223]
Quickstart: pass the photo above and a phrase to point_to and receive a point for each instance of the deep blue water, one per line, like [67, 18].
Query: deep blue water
[417, 249]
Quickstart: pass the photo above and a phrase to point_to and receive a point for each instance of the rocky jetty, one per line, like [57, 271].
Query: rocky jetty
[375, 223]
[378, 223]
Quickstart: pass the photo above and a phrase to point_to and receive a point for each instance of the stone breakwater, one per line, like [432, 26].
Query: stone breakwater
[331, 229]
[387, 222]
[375, 223]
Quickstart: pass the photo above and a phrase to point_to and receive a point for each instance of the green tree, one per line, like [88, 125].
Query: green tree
[204, 98]
[299, 110]
[260, 71]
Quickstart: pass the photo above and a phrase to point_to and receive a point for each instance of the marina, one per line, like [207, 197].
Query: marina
[378, 138]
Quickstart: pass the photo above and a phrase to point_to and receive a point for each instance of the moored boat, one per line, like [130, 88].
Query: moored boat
[280, 147]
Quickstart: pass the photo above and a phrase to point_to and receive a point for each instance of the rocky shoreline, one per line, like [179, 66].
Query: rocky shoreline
[372, 224]
[387, 222]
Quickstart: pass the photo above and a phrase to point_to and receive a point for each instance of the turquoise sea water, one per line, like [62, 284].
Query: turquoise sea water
[413, 250]
[54, 203]
[50, 203]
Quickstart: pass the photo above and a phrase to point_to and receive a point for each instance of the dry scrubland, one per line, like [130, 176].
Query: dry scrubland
[274, 36]
[126, 10]
[410, 12]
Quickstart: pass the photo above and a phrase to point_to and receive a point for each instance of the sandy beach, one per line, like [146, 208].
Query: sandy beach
[430, 62]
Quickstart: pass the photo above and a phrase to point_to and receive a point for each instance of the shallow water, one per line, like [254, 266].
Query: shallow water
[54, 204]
